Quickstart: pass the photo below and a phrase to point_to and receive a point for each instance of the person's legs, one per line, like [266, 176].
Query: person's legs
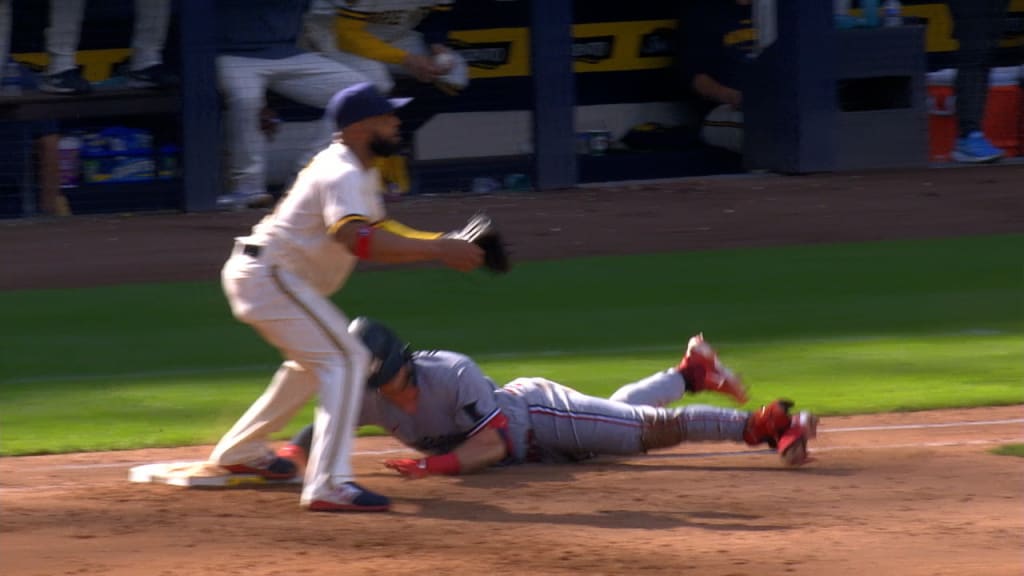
[978, 27]
[62, 37]
[63, 34]
[312, 79]
[322, 358]
[243, 83]
[149, 33]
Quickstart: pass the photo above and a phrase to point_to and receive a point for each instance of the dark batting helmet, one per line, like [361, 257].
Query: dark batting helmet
[389, 351]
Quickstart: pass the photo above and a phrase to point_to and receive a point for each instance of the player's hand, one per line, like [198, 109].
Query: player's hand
[461, 255]
[423, 68]
[443, 57]
[733, 98]
[408, 467]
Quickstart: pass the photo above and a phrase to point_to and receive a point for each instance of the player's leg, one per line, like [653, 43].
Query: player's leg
[63, 34]
[565, 421]
[243, 449]
[149, 36]
[312, 79]
[699, 370]
[149, 33]
[243, 84]
[319, 35]
[339, 362]
[658, 389]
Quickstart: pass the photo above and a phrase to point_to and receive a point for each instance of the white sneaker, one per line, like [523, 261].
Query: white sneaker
[239, 200]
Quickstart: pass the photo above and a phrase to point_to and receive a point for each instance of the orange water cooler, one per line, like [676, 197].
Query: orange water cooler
[1003, 122]
[942, 126]
[1002, 119]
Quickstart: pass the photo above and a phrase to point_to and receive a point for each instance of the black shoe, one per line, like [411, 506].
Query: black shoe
[156, 76]
[67, 82]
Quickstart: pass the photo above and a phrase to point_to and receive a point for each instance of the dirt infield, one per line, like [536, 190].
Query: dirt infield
[908, 494]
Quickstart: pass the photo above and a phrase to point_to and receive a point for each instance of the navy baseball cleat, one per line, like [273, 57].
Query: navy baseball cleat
[271, 468]
[350, 497]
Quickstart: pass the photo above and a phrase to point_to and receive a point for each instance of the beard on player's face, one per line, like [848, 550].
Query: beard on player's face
[382, 145]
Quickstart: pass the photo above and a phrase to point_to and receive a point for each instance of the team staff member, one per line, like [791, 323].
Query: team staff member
[279, 279]
[440, 403]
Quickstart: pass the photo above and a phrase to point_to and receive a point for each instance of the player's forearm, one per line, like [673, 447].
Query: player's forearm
[712, 89]
[353, 37]
[388, 248]
[381, 244]
[478, 452]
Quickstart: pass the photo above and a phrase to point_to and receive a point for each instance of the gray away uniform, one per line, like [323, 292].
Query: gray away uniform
[547, 421]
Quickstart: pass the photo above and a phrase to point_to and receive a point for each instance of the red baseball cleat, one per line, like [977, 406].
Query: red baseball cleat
[787, 433]
[702, 371]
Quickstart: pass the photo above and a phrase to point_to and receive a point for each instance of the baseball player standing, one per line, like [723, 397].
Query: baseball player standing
[279, 279]
[440, 403]
[381, 38]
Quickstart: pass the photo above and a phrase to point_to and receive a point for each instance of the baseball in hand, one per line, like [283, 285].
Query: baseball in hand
[444, 60]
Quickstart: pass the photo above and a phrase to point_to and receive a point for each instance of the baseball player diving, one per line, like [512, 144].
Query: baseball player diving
[440, 403]
[279, 280]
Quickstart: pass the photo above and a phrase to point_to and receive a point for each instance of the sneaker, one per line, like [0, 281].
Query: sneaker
[67, 82]
[976, 149]
[785, 432]
[156, 76]
[270, 467]
[240, 200]
[702, 371]
[293, 453]
[351, 497]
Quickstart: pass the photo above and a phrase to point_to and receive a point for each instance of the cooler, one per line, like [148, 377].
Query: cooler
[942, 126]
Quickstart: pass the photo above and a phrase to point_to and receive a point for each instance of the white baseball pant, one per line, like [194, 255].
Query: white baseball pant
[309, 78]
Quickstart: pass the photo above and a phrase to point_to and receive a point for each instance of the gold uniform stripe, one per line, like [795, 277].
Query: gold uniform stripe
[399, 229]
[350, 218]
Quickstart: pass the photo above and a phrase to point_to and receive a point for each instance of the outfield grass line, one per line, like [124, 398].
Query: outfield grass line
[881, 428]
[488, 356]
[921, 426]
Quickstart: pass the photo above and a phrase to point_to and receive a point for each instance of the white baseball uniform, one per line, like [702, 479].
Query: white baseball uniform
[375, 34]
[279, 280]
[149, 33]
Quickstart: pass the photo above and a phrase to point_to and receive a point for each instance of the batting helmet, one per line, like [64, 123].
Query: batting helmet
[389, 351]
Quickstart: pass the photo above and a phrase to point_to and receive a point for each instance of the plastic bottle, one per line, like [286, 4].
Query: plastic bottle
[10, 83]
[893, 12]
[68, 159]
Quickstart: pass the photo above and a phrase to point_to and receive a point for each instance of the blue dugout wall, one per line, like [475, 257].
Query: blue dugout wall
[549, 59]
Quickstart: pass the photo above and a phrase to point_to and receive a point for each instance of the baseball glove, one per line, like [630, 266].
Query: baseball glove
[480, 230]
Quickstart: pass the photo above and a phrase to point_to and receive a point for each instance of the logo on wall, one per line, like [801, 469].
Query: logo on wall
[593, 49]
[486, 55]
[657, 43]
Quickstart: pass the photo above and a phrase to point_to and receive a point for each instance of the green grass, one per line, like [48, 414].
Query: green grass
[1010, 450]
[848, 328]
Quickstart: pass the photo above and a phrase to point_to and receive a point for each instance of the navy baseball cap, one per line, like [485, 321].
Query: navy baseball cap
[359, 102]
